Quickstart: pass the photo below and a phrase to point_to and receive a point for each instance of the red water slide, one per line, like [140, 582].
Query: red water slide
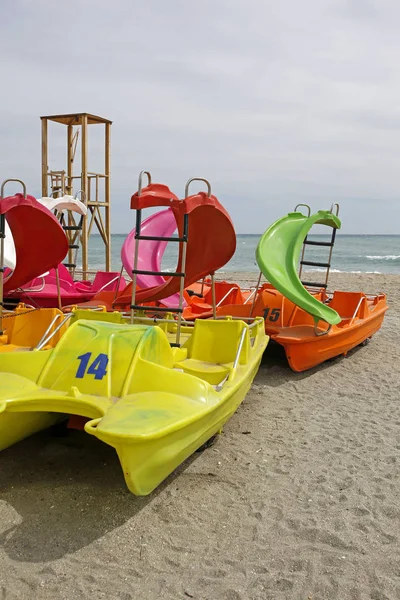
[40, 242]
[211, 239]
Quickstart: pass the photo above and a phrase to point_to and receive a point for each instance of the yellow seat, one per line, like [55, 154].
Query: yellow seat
[214, 374]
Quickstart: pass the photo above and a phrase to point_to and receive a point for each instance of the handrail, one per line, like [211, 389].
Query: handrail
[335, 204]
[321, 333]
[197, 179]
[305, 206]
[18, 181]
[232, 371]
[37, 288]
[357, 309]
[139, 192]
[82, 194]
[292, 316]
[55, 319]
[226, 295]
[118, 284]
[108, 283]
[252, 289]
[45, 340]
[255, 293]
[236, 361]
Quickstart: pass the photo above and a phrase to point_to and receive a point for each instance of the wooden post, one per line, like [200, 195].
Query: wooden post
[70, 160]
[69, 188]
[84, 184]
[107, 196]
[45, 167]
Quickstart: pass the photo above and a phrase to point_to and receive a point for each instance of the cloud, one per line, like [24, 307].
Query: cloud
[275, 103]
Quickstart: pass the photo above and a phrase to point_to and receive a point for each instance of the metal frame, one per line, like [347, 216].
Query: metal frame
[182, 274]
[327, 264]
[197, 179]
[72, 233]
[44, 340]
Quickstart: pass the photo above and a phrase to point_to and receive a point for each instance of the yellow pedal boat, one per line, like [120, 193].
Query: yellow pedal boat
[154, 404]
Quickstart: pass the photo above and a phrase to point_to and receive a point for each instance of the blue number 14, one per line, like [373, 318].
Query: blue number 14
[97, 368]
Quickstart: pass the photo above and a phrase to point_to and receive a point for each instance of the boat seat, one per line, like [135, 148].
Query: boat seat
[27, 327]
[345, 303]
[216, 342]
[13, 348]
[212, 349]
[212, 373]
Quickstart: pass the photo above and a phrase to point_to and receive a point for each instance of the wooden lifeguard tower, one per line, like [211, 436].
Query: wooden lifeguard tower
[94, 187]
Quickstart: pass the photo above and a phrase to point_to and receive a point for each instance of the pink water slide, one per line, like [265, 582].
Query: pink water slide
[161, 224]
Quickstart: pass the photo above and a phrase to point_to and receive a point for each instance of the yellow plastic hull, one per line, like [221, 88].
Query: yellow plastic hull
[15, 427]
[153, 404]
[146, 464]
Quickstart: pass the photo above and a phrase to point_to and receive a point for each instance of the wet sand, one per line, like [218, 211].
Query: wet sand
[297, 499]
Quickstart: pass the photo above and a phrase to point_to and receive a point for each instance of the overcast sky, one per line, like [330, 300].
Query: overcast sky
[276, 102]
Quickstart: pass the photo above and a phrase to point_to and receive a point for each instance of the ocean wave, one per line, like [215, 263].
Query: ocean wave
[341, 271]
[385, 257]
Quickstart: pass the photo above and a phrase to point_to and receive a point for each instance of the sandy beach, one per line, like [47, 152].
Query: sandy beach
[297, 499]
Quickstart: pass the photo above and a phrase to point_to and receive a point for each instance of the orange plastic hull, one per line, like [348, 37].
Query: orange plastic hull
[293, 328]
[305, 350]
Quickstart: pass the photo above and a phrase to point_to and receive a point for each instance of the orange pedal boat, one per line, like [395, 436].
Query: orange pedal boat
[306, 344]
[311, 324]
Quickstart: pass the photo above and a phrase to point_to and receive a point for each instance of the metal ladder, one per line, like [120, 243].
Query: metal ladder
[181, 274]
[73, 247]
[72, 232]
[312, 263]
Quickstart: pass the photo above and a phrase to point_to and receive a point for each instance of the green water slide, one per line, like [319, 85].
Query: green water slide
[278, 254]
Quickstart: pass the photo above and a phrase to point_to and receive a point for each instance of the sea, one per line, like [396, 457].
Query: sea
[351, 254]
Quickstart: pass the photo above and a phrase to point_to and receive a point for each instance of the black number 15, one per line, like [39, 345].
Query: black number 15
[274, 316]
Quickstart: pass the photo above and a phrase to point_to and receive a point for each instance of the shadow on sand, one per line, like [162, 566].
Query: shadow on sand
[275, 370]
[65, 489]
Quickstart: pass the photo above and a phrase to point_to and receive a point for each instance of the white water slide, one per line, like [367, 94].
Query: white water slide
[62, 203]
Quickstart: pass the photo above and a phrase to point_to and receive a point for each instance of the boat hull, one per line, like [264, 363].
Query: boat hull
[154, 404]
[146, 463]
[15, 427]
[304, 350]
[294, 329]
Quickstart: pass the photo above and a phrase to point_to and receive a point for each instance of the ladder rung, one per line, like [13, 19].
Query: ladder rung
[163, 273]
[74, 246]
[72, 227]
[314, 284]
[69, 265]
[156, 308]
[313, 243]
[157, 238]
[312, 263]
